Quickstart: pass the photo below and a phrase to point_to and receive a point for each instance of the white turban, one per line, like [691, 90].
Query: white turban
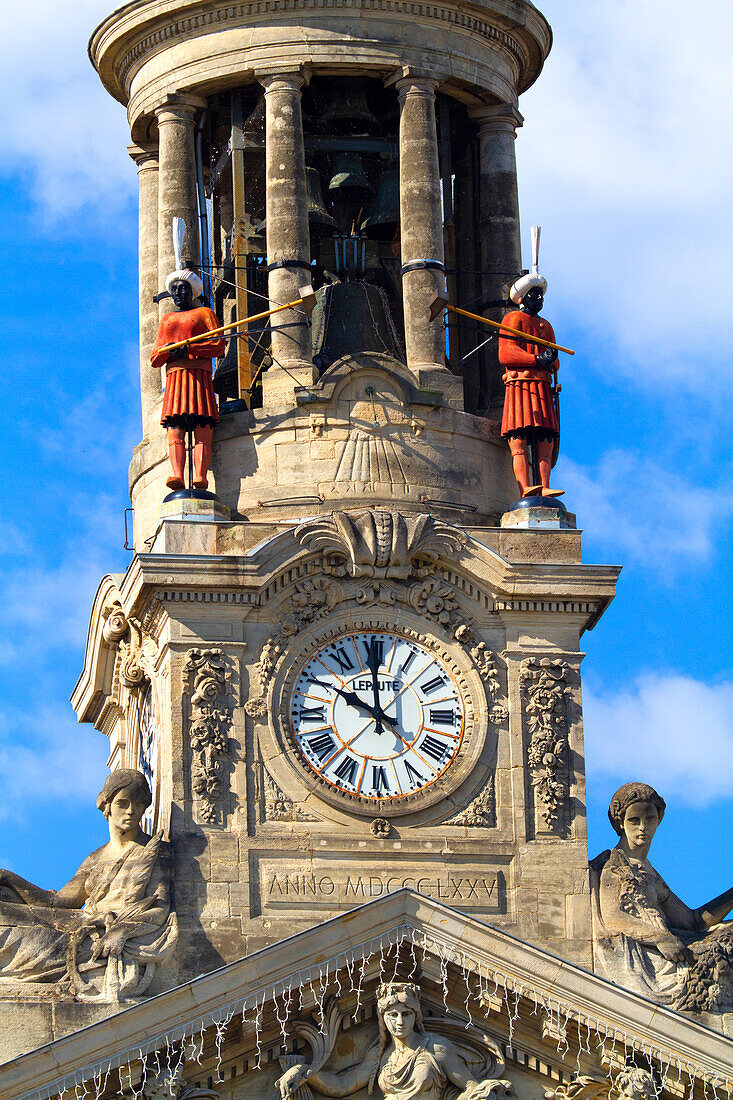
[185, 276]
[525, 283]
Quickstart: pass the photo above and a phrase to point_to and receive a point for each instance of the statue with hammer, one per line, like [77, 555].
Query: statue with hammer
[531, 418]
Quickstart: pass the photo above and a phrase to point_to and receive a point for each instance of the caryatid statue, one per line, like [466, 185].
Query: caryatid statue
[530, 416]
[189, 403]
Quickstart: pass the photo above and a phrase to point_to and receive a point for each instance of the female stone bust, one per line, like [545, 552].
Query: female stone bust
[407, 1061]
[646, 938]
[103, 932]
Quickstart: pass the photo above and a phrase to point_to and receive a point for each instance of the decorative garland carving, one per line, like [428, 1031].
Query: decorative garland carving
[547, 693]
[209, 725]
[381, 543]
[581, 1088]
[311, 600]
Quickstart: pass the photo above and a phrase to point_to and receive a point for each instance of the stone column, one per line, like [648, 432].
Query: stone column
[499, 231]
[177, 192]
[288, 240]
[421, 229]
[146, 159]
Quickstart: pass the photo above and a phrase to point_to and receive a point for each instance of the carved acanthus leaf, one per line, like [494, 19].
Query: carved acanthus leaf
[481, 813]
[278, 807]
[126, 634]
[581, 1088]
[380, 543]
[547, 694]
[209, 724]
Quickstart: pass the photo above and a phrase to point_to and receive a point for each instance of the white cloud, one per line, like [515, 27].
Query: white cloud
[59, 125]
[626, 159]
[632, 505]
[669, 730]
[46, 756]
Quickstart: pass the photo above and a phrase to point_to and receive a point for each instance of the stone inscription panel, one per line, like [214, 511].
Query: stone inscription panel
[286, 884]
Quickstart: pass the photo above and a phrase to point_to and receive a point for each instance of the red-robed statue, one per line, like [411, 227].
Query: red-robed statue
[530, 413]
[189, 403]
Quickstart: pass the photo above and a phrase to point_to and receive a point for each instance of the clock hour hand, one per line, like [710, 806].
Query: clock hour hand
[349, 697]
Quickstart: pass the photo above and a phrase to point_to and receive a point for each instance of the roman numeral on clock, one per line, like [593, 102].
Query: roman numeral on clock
[346, 770]
[442, 717]
[432, 685]
[376, 645]
[379, 780]
[342, 659]
[431, 746]
[408, 660]
[313, 714]
[322, 745]
[413, 775]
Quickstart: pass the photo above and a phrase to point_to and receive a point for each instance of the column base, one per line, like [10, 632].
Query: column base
[434, 376]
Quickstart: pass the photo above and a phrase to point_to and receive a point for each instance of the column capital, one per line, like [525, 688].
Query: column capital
[277, 79]
[180, 107]
[497, 117]
[145, 156]
[408, 79]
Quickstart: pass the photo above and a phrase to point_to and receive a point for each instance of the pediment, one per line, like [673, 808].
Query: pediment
[546, 1026]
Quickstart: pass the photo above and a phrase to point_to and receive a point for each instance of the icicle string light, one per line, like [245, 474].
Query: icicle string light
[91, 1082]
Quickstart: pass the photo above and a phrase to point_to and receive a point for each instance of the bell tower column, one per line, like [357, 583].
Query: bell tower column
[146, 159]
[288, 241]
[177, 195]
[421, 229]
[499, 230]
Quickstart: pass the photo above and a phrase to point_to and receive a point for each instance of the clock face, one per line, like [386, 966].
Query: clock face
[147, 751]
[377, 715]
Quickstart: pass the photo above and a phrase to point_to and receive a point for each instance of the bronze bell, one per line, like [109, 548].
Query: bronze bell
[254, 125]
[353, 318]
[349, 176]
[385, 216]
[348, 112]
[319, 218]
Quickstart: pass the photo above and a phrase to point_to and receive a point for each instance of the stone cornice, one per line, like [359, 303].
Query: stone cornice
[136, 31]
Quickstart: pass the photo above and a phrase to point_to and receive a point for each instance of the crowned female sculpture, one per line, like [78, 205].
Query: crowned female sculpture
[105, 931]
[645, 937]
[408, 1060]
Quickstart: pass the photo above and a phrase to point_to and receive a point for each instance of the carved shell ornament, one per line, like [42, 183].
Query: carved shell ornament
[380, 543]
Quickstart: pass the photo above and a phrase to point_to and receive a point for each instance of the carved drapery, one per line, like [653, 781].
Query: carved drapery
[208, 730]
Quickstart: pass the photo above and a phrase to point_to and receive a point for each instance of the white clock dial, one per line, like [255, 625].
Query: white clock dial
[377, 715]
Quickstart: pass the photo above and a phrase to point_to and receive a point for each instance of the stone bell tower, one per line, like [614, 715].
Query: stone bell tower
[344, 676]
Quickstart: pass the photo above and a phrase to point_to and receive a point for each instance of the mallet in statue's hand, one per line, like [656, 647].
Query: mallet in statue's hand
[307, 300]
[440, 304]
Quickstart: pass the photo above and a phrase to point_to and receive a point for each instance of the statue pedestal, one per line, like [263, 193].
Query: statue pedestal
[542, 513]
[195, 505]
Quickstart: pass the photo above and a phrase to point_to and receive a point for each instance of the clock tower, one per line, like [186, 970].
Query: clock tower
[352, 665]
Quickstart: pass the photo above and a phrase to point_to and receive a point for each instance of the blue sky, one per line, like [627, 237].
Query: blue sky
[625, 160]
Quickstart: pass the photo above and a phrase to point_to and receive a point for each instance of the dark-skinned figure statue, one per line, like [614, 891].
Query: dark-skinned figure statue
[189, 404]
[530, 418]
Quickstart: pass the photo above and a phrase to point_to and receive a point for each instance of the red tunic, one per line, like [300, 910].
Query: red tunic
[189, 399]
[528, 403]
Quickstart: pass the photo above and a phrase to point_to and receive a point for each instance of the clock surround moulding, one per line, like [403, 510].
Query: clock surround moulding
[471, 765]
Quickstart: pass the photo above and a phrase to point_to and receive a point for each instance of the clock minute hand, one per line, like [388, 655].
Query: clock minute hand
[373, 666]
